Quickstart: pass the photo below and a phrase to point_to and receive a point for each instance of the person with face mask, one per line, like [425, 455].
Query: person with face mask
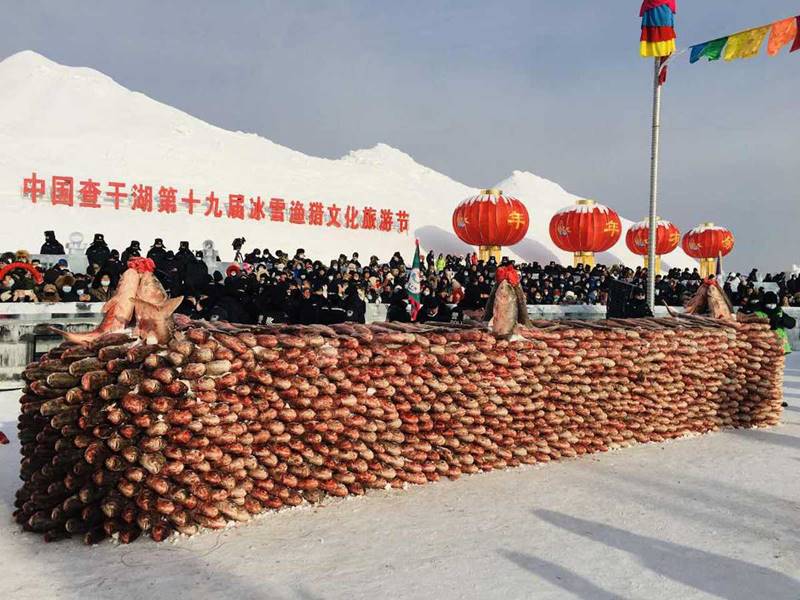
[101, 288]
[779, 322]
[637, 307]
[65, 285]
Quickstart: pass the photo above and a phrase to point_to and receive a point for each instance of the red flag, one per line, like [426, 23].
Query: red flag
[796, 45]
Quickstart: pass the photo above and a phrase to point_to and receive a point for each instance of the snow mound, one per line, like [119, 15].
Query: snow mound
[78, 122]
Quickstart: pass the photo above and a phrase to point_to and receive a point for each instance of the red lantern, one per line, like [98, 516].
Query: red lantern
[667, 239]
[708, 242]
[490, 220]
[584, 229]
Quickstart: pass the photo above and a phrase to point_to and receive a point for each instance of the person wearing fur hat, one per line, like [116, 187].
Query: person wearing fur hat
[49, 293]
[66, 288]
[23, 256]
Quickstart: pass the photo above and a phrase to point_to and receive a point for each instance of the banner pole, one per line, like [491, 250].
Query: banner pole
[651, 245]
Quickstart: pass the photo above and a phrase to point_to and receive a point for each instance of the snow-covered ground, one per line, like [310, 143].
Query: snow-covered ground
[716, 516]
[77, 122]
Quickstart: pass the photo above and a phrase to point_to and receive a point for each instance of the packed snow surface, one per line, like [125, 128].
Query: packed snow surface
[57, 120]
[715, 516]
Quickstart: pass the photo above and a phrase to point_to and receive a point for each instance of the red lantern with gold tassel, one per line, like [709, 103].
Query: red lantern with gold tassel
[490, 220]
[585, 229]
[667, 239]
[708, 242]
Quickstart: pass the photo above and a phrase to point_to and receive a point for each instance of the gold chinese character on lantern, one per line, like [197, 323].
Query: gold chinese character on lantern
[611, 227]
[562, 230]
[674, 237]
[516, 220]
[727, 242]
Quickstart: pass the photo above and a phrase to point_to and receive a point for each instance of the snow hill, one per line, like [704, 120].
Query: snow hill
[68, 121]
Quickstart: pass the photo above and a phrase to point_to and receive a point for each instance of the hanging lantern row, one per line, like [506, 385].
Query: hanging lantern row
[491, 221]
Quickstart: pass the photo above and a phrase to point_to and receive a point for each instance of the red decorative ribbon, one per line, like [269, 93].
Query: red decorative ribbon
[142, 265]
[507, 273]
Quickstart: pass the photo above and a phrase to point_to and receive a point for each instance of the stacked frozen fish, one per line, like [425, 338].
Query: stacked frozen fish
[121, 438]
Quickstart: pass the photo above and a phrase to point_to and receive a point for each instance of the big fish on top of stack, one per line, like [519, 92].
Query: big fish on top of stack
[210, 423]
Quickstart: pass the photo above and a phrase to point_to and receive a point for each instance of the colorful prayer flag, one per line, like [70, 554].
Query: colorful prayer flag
[783, 32]
[711, 50]
[650, 4]
[796, 45]
[745, 44]
[658, 28]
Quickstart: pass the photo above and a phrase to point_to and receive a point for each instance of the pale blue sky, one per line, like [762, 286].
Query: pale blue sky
[474, 89]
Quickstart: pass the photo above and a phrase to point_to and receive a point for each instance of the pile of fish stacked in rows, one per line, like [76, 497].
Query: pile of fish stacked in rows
[221, 423]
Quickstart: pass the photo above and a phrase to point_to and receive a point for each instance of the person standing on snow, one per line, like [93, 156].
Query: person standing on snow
[779, 322]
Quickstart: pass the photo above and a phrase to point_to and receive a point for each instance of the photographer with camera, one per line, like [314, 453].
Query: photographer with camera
[237, 246]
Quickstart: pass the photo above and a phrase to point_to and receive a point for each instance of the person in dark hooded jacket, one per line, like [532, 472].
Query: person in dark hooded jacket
[134, 250]
[51, 244]
[354, 305]
[157, 251]
[637, 307]
[779, 322]
[98, 251]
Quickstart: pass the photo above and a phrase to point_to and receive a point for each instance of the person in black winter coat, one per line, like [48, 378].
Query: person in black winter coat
[51, 244]
[134, 250]
[195, 275]
[157, 251]
[98, 251]
[398, 308]
[354, 305]
[637, 306]
[435, 311]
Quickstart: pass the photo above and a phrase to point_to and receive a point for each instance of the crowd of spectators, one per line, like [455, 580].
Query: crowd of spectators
[277, 286]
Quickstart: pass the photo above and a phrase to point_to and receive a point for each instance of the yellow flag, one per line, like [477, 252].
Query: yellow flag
[657, 48]
[745, 44]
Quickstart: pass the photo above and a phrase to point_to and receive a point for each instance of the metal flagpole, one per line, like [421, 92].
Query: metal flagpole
[651, 244]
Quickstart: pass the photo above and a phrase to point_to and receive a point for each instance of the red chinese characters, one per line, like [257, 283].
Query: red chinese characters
[257, 209]
[297, 213]
[212, 207]
[115, 193]
[89, 194]
[65, 190]
[315, 213]
[235, 206]
[190, 201]
[167, 200]
[333, 216]
[33, 187]
[402, 221]
[61, 191]
[387, 220]
[277, 209]
[368, 217]
[142, 198]
[351, 218]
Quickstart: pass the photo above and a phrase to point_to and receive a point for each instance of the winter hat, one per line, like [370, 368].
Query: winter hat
[23, 256]
[232, 270]
[63, 262]
[65, 280]
[49, 293]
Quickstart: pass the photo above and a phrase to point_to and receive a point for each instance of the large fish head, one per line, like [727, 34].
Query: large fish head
[506, 310]
[150, 289]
